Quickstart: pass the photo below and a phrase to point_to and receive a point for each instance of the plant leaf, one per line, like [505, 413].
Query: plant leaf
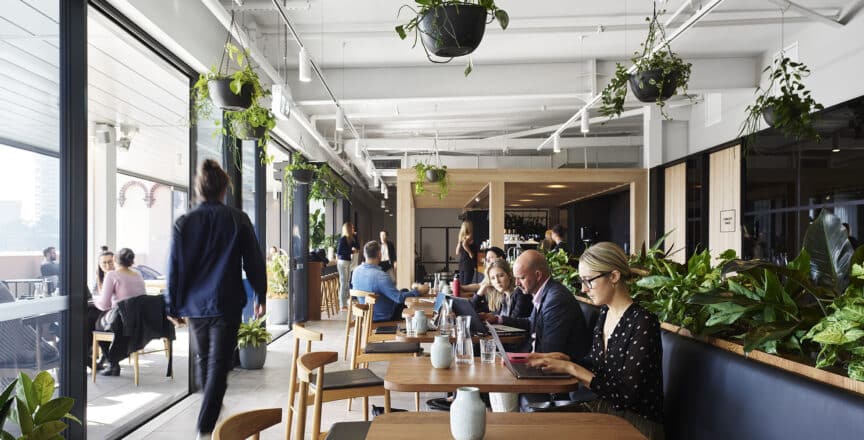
[54, 410]
[830, 252]
[758, 336]
[43, 387]
[856, 370]
[503, 18]
[726, 313]
[25, 420]
[47, 430]
[401, 31]
[653, 282]
[25, 392]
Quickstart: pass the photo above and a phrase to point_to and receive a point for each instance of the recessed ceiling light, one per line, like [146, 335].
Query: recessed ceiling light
[477, 199]
[515, 204]
[526, 200]
[539, 194]
[556, 186]
[835, 150]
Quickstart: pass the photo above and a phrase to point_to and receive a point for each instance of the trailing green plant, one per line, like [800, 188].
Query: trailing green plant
[787, 99]
[442, 179]
[316, 229]
[253, 333]
[671, 68]
[254, 117]
[32, 408]
[331, 241]
[424, 7]
[278, 270]
[562, 269]
[325, 184]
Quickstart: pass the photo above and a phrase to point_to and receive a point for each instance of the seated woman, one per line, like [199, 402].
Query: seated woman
[501, 297]
[626, 356]
[123, 283]
[493, 254]
[104, 264]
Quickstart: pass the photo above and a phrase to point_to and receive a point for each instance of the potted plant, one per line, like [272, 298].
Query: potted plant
[784, 103]
[330, 243]
[239, 94]
[431, 174]
[324, 183]
[316, 229]
[32, 408]
[252, 339]
[659, 73]
[278, 282]
[451, 28]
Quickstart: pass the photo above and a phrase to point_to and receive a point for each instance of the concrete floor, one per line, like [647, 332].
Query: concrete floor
[268, 388]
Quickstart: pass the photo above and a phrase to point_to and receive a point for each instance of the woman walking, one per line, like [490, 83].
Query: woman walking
[345, 250]
[211, 247]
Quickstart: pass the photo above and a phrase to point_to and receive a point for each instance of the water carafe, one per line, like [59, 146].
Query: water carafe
[464, 345]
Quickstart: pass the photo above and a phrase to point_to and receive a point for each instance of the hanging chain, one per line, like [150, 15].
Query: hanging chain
[225, 47]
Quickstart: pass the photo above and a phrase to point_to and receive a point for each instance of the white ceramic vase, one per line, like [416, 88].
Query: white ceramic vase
[421, 325]
[468, 415]
[442, 352]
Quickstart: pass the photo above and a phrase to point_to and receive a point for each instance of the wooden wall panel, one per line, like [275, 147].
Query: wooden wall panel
[675, 211]
[724, 201]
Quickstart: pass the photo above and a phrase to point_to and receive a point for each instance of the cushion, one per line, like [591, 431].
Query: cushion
[336, 380]
[393, 347]
[349, 431]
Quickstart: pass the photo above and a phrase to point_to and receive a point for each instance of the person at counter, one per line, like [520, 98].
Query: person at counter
[370, 278]
[558, 236]
[345, 250]
[625, 362]
[120, 284]
[466, 250]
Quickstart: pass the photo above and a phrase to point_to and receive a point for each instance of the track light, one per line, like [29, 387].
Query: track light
[386, 193]
[383, 204]
[556, 144]
[370, 168]
[340, 118]
[305, 66]
[586, 122]
[383, 186]
[358, 152]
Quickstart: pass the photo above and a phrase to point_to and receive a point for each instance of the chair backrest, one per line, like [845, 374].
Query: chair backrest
[363, 318]
[247, 424]
[306, 365]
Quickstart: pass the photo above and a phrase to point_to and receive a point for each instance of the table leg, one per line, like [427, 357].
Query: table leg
[386, 401]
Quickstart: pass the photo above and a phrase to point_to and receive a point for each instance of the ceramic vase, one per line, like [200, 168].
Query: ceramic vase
[468, 415]
[442, 352]
[421, 324]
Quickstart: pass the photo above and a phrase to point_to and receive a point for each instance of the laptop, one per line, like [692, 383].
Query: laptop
[523, 371]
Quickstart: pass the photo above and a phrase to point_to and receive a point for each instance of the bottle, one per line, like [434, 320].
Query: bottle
[456, 285]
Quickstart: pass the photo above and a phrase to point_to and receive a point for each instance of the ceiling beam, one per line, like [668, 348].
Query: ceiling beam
[466, 145]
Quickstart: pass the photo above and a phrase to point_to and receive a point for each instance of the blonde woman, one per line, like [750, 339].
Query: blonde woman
[500, 296]
[345, 250]
[466, 250]
[625, 362]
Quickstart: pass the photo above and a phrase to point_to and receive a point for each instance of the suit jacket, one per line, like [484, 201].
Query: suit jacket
[517, 305]
[557, 325]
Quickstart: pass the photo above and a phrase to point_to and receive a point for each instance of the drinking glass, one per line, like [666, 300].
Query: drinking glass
[487, 351]
[410, 330]
[464, 344]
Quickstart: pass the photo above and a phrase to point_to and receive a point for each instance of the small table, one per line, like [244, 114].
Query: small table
[417, 374]
[507, 426]
[429, 337]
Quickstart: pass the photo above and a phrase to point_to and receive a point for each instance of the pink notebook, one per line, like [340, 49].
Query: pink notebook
[518, 358]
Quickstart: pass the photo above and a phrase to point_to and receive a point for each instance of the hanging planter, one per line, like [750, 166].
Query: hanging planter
[303, 177]
[659, 73]
[450, 28]
[431, 174]
[324, 183]
[791, 112]
[224, 98]
[245, 131]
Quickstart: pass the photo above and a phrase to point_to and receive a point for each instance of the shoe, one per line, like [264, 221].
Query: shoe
[99, 365]
[440, 404]
[379, 410]
[112, 370]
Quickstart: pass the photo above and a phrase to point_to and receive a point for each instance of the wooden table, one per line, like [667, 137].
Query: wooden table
[506, 426]
[416, 374]
[429, 337]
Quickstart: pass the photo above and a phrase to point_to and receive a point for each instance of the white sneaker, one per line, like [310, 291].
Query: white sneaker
[203, 436]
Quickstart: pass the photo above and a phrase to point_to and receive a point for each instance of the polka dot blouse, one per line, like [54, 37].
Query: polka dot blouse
[629, 374]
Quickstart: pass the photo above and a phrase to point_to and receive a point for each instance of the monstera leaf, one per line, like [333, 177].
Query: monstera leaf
[830, 252]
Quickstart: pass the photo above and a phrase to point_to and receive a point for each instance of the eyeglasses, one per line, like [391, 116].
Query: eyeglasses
[588, 281]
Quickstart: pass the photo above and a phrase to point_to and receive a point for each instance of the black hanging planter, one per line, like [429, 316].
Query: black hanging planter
[242, 130]
[303, 177]
[649, 92]
[431, 176]
[224, 98]
[453, 30]
[769, 115]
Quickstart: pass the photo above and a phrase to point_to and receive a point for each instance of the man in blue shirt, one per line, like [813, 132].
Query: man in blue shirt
[370, 278]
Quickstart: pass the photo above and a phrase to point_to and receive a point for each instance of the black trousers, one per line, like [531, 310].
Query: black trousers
[116, 350]
[213, 341]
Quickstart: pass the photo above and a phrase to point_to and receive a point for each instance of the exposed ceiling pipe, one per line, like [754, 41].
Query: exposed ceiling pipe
[681, 29]
[595, 120]
[224, 17]
[786, 4]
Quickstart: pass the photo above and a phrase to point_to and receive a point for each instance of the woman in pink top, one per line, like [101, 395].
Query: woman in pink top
[122, 283]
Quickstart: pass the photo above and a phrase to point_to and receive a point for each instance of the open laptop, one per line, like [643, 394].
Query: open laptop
[523, 371]
[463, 307]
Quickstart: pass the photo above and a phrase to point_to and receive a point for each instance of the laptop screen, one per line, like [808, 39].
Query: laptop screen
[463, 307]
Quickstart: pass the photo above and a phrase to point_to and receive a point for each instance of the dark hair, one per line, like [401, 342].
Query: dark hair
[125, 257]
[100, 274]
[559, 231]
[497, 251]
[47, 251]
[372, 249]
[212, 181]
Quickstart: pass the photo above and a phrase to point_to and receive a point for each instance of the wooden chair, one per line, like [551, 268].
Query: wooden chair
[99, 336]
[337, 385]
[365, 351]
[308, 363]
[247, 424]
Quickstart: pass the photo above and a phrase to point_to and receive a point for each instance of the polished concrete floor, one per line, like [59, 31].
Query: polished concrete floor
[268, 388]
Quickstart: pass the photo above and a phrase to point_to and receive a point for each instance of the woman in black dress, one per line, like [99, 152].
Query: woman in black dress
[466, 250]
[625, 363]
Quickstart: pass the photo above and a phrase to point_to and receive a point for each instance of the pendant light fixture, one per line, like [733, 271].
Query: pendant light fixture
[556, 144]
[305, 67]
[340, 119]
[586, 122]
[383, 204]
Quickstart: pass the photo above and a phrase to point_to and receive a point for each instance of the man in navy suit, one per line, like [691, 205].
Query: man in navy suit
[556, 323]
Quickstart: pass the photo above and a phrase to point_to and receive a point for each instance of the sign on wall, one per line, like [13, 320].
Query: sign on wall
[727, 220]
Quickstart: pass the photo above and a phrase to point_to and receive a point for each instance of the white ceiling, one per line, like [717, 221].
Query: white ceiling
[537, 73]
